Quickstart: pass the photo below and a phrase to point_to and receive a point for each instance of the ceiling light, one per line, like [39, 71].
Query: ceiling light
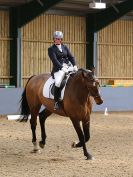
[97, 5]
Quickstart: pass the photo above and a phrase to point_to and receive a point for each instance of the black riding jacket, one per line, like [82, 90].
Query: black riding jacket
[58, 58]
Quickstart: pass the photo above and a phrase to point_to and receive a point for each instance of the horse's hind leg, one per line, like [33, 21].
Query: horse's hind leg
[33, 122]
[80, 134]
[42, 117]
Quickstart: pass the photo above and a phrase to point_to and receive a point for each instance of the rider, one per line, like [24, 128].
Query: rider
[62, 60]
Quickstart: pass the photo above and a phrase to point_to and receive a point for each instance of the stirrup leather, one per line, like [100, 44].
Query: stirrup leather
[56, 106]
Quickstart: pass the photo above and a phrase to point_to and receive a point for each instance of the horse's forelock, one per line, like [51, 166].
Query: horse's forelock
[83, 69]
[87, 72]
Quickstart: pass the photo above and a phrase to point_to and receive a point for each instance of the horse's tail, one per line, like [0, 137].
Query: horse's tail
[24, 107]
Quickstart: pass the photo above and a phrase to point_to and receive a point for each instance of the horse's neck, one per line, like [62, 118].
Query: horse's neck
[79, 90]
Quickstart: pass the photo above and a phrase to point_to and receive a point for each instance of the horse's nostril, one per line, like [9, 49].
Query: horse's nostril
[100, 102]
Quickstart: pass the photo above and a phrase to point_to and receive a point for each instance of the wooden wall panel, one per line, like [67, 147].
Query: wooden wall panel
[114, 46]
[115, 51]
[37, 37]
[4, 48]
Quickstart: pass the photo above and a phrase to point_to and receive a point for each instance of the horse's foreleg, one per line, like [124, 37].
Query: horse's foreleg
[42, 117]
[86, 129]
[81, 137]
[77, 126]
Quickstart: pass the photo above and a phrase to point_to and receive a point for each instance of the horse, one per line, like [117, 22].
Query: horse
[80, 90]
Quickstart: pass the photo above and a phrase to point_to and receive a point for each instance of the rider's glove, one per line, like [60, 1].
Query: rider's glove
[65, 70]
[65, 65]
[75, 68]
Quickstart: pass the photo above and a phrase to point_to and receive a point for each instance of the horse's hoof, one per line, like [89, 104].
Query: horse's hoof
[41, 144]
[35, 151]
[74, 144]
[90, 157]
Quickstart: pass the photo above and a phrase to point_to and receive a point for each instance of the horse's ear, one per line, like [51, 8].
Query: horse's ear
[84, 74]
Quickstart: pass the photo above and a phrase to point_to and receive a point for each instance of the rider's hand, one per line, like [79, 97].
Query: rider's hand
[65, 70]
[75, 68]
[65, 65]
[70, 69]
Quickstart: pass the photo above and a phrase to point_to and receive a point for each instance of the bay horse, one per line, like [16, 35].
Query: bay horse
[76, 104]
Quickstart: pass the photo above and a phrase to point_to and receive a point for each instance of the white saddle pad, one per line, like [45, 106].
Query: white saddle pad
[47, 89]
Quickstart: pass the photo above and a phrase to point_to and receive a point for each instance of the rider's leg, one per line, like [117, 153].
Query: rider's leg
[57, 92]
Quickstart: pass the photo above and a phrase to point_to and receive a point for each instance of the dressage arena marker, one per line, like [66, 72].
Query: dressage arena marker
[15, 117]
[106, 112]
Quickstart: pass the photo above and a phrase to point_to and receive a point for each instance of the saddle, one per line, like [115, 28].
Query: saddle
[63, 83]
[48, 89]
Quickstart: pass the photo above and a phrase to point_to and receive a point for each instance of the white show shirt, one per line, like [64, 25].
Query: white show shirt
[59, 47]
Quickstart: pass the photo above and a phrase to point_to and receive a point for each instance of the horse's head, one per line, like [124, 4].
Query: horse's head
[92, 84]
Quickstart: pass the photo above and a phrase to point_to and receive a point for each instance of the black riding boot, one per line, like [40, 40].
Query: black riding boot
[57, 94]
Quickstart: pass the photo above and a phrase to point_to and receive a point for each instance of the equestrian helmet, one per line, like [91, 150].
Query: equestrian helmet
[58, 34]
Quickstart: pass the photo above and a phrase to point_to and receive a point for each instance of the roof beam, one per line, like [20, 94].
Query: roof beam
[105, 17]
[13, 46]
[31, 10]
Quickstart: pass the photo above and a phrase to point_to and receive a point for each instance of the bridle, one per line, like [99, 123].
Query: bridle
[91, 86]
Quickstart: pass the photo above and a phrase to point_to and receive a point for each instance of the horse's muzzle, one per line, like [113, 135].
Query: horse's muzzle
[98, 100]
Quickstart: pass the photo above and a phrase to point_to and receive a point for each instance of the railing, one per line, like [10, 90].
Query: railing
[5, 80]
[104, 80]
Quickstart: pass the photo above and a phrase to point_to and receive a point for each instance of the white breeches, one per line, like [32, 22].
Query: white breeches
[59, 77]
